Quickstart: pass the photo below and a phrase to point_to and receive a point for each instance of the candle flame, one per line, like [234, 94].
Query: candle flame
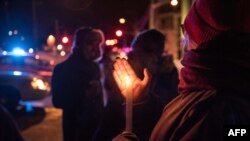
[128, 81]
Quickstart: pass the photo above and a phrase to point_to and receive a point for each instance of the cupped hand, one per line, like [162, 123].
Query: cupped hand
[123, 71]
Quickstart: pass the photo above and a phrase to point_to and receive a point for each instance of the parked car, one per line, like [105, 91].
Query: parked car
[23, 77]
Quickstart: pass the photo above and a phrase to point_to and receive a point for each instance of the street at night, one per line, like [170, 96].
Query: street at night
[124, 70]
[41, 123]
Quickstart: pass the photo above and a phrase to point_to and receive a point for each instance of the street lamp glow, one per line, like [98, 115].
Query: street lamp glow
[174, 2]
[122, 21]
[65, 39]
[118, 33]
[51, 40]
[59, 47]
[62, 53]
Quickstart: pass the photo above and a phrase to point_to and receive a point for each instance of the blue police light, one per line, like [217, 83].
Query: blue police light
[4, 52]
[17, 73]
[28, 107]
[18, 51]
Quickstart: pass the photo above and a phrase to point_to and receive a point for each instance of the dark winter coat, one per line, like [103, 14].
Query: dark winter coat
[76, 89]
[165, 79]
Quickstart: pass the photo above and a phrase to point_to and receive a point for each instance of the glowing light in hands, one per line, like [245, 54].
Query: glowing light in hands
[128, 82]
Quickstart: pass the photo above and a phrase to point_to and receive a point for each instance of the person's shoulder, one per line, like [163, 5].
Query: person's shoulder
[191, 114]
[194, 99]
[191, 104]
[58, 66]
[64, 63]
[61, 66]
[199, 95]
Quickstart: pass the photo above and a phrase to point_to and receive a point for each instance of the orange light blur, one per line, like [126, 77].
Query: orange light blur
[174, 2]
[122, 21]
[51, 40]
[111, 42]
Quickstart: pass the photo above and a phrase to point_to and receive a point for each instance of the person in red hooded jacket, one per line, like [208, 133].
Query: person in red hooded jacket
[214, 82]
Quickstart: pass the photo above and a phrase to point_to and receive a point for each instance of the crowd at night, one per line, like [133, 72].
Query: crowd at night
[124, 70]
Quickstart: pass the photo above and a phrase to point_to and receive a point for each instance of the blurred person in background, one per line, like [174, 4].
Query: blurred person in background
[113, 119]
[76, 87]
[148, 52]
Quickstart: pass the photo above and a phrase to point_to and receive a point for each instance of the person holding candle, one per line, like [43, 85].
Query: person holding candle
[147, 51]
[214, 82]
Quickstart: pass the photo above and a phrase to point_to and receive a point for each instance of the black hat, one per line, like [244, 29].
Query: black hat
[149, 41]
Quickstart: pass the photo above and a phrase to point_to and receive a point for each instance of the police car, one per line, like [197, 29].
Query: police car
[24, 73]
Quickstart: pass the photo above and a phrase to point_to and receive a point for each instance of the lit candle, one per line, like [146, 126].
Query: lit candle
[129, 105]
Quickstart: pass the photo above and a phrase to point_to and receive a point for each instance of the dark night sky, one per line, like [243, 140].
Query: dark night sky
[69, 14]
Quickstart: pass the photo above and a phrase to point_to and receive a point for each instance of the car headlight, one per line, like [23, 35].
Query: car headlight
[39, 84]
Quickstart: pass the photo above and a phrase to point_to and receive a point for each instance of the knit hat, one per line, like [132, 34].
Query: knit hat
[150, 40]
[86, 35]
[208, 18]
